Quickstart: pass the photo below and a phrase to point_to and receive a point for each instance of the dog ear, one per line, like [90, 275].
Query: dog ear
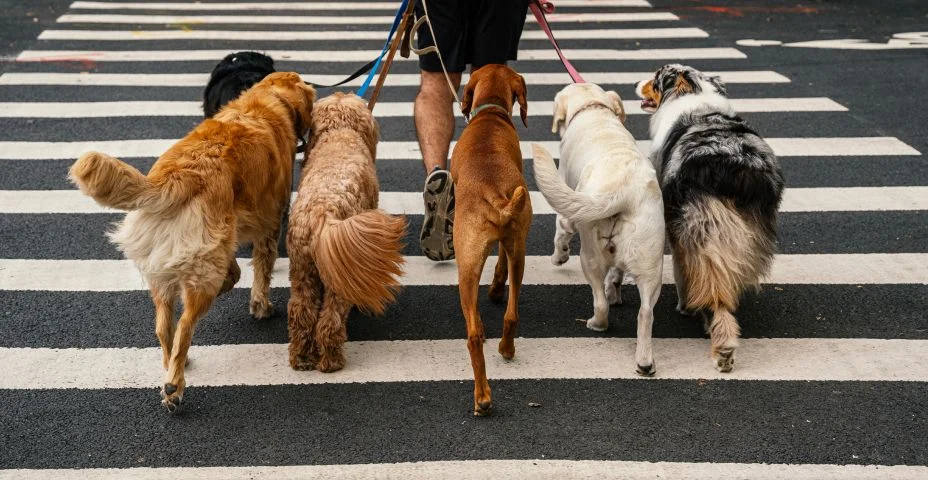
[719, 85]
[467, 99]
[560, 113]
[617, 105]
[518, 91]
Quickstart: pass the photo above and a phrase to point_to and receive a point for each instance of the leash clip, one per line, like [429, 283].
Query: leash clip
[546, 6]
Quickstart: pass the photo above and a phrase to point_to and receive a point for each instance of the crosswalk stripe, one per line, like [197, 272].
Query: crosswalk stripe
[650, 54]
[491, 469]
[384, 109]
[848, 199]
[121, 275]
[396, 79]
[224, 6]
[292, 36]
[436, 360]
[332, 20]
[783, 147]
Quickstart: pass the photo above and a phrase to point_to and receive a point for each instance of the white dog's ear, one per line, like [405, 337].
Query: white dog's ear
[617, 106]
[560, 113]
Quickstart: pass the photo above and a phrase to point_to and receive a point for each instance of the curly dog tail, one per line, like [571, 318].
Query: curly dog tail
[115, 184]
[359, 258]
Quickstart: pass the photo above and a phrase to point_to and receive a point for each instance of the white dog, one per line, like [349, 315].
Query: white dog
[608, 191]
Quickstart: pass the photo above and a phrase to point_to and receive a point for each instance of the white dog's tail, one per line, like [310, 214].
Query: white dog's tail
[576, 206]
[360, 257]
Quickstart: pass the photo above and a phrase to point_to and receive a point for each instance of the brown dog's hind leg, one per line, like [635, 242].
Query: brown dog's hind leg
[516, 260]
[303, 311]
[196, 303]
[331, 332]
[264, 254]
[164, 322]
[499, 276]
[470, 265]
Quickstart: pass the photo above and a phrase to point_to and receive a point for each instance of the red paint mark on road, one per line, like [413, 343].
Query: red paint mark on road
[741, 11]
[84, 61]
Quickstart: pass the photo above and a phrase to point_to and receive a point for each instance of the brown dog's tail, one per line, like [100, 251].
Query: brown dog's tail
[514, 205]
[360, 257]
[115, 184]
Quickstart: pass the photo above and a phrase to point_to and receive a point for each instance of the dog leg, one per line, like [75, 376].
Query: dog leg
[331, 332]
[563, 233]
[232, 277]
[470, 264]
[614, 286]
[649, 288]
[196, 303]
[595, 275]
[499, 276]
[164, 322]
[303, 311]
[264, 253]
[724, 331]
[516, 261]
[680, 281]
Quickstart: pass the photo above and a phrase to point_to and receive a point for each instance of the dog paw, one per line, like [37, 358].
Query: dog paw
[302, 363]
[645, 370]
[172, 396]
[497, 292]
[483, 408]
[559, 259]
[331, 363]
[613, 294]
[594, 324]
[261, 309]
[724, 359]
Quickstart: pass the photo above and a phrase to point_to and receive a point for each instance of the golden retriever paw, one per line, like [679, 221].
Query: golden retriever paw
[261, 309]
[172, 396]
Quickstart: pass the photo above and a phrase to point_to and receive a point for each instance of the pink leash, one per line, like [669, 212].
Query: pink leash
[539, 8]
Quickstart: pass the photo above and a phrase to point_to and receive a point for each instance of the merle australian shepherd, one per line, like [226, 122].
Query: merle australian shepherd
[232, 76]
[721, 185]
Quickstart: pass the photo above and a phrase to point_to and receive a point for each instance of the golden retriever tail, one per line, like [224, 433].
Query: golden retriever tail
[115, 184]
[720, 254]
[576, 206]
[360, 258]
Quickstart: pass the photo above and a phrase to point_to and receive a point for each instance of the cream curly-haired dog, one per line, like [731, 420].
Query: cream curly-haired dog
[343, 250]
[224, 184]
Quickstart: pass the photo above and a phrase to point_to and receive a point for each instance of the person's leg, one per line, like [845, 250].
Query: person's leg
[434, 116]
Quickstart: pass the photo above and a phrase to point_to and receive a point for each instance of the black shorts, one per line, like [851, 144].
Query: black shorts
[471, 32]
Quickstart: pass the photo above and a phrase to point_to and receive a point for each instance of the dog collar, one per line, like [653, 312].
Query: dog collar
[480, 108]
[587, 107]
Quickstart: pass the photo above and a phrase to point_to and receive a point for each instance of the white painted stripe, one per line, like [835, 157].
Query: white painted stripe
[442, 360]
[396, 79]
[855, 199]
[390, 6]
[784, 147]
[384, 109]
[363, 55]
[293, 36]
[332, 20]
[493, 469]
[121, 275]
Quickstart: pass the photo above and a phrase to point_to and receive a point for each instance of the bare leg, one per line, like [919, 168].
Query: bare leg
[434, 116]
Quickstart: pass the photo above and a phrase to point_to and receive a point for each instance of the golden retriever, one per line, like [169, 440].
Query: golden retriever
[343, 250]
[224, 184]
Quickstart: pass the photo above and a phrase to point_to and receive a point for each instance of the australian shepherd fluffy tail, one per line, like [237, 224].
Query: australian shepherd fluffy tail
[115, 184]
[576, 206]
[360, 258]
[720, 253]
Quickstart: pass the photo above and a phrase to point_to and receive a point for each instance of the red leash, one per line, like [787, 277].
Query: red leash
[539, 8]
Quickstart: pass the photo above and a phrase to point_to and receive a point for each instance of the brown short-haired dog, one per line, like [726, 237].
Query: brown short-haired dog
[225, 183]
[343, 250]
[492, 205]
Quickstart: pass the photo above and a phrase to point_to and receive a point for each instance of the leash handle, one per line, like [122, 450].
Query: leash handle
[400, 14]
[539, 8]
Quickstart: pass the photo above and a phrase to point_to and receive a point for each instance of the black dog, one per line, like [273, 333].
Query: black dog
[232, 76]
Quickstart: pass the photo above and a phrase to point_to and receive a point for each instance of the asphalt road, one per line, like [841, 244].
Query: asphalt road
[774, 409]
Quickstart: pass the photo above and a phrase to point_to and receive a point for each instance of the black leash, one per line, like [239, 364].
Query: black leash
[361, 71]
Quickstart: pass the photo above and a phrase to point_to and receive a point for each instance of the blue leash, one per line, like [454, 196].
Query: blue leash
[396, 22]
